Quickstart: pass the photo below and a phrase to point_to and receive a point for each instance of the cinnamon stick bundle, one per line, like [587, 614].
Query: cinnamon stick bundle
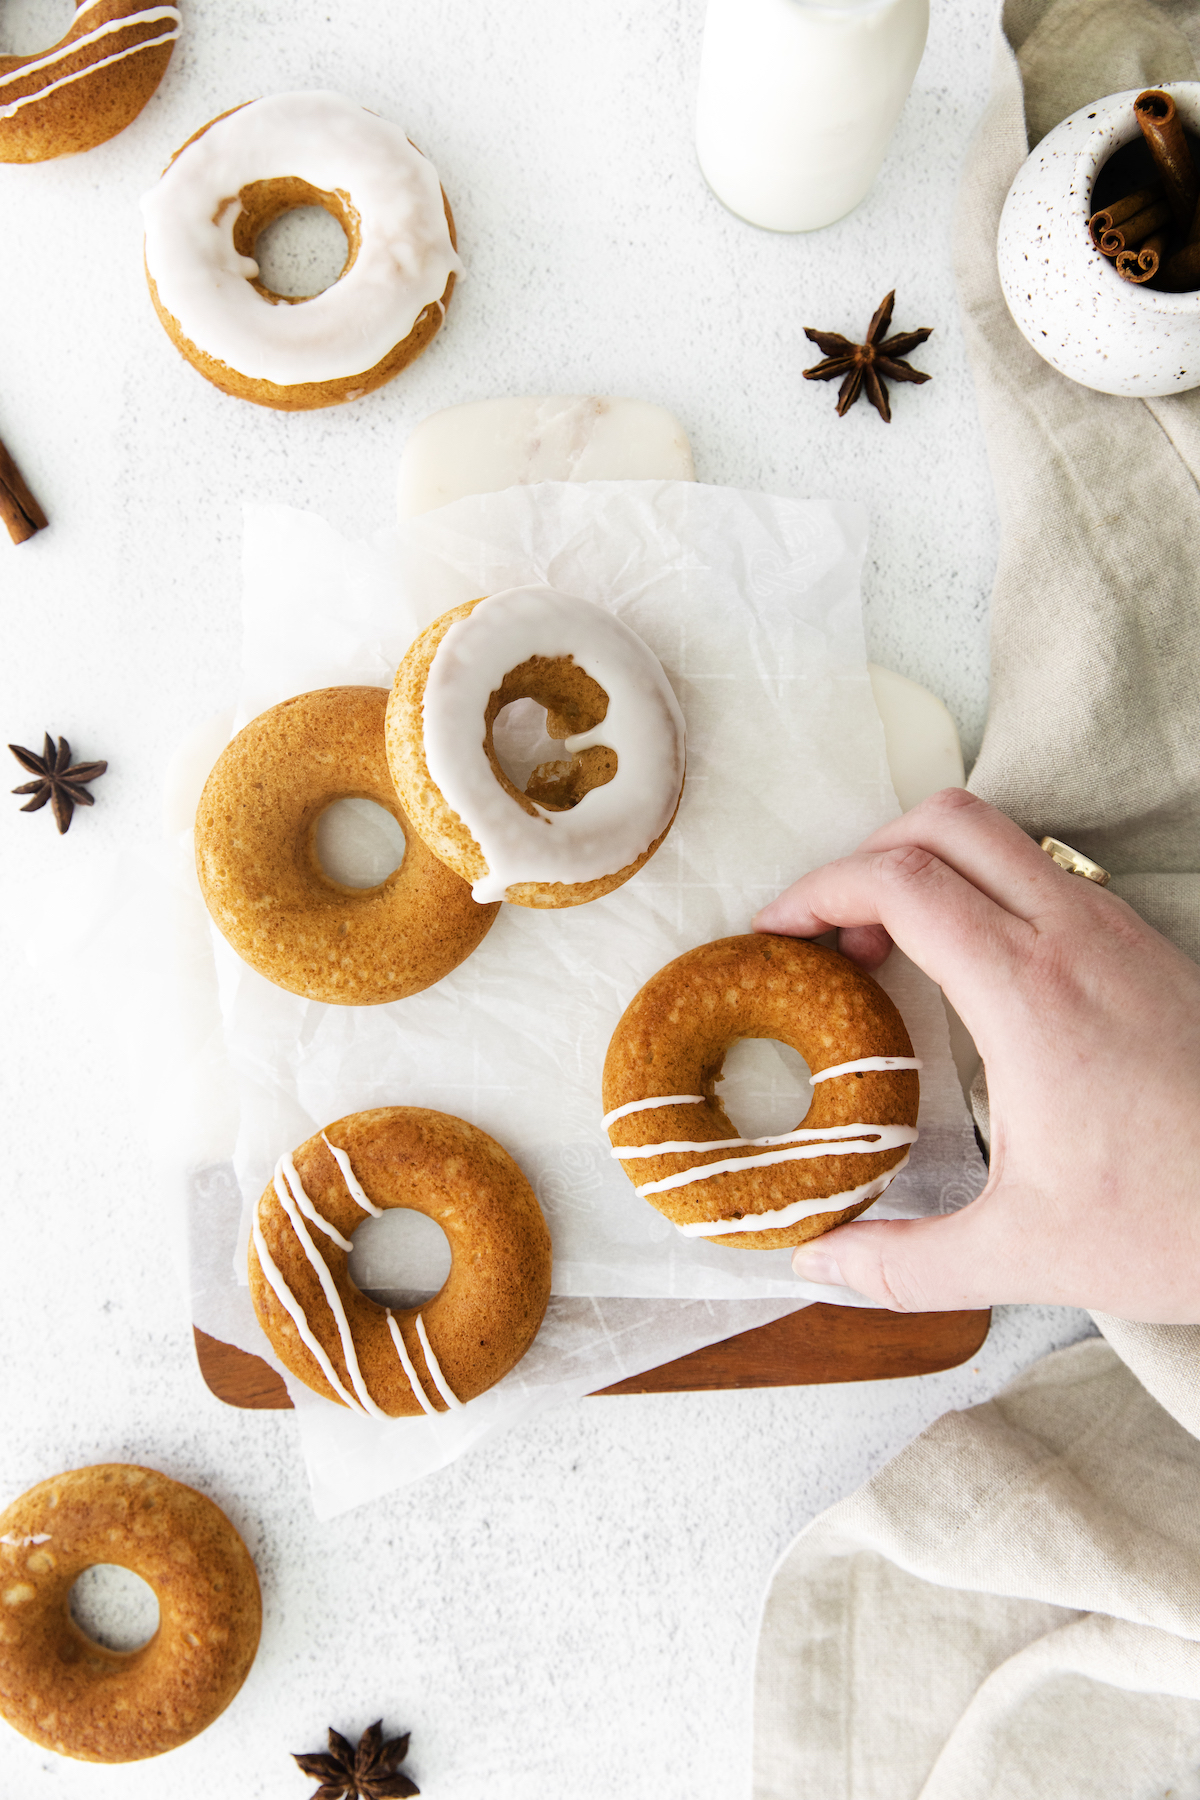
[1121, 211]
[18, 508]
[1135, 230]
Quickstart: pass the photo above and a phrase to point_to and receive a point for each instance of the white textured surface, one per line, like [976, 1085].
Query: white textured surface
[572, 1611]
[1067, 298]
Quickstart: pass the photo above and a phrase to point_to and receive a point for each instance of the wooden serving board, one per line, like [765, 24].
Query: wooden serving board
[818, 1344]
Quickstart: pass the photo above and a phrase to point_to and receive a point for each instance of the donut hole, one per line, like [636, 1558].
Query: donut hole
[521, 741]
[302, 238]
[536, 706]
[114, 1607]
[402, 1258]
[764, 1087]
[358, 843]
[27, 26]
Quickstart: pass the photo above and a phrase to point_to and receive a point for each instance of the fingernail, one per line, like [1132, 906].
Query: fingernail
[818, 1266]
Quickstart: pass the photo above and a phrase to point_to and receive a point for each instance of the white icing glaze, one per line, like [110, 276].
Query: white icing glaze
[439, 1380]
[406, 1363]
[868, 1065]
[291, 1305]
[799, 1209]
[612, 825]
[149, 16]
[353, 1184]
[329, 1289]
[285, 1169]
[637, 1106]
[403, 263]
[887, 1137]
[813, 1135]
[23, 1543]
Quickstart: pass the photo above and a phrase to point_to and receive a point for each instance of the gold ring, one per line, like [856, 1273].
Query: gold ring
[1074, 862]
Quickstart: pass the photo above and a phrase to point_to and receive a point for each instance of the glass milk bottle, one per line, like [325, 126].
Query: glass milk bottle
[798, 99]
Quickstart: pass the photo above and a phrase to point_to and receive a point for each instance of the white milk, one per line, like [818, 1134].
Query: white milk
[797, 102]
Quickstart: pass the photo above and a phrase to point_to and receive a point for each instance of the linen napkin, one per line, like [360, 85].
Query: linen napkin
[1012, 1606]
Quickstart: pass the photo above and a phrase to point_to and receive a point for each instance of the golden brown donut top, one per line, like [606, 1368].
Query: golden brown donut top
[349, 1347]
[72, 1695]
[263, 883]
[88, 86]
[672, 1041]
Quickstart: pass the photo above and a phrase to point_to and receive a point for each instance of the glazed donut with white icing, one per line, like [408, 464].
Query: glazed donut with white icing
[90, 85]
[677, 1144]
[428, 1359]
[245, 169]
[584, 824]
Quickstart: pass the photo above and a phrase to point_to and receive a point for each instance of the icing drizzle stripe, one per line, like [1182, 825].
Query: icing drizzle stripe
[888, 1137]
[289, 1302]
[406, 1363]
[815, 1134]
[62, 51]
[285, 1168]
[636, 1106]
[14, 106]
[868, 1065]
[353, 1185]
[799, 1209]
[334, 1299]
[439, 1380]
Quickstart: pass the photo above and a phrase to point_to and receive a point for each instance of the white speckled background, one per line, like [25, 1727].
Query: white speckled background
[572, 1611]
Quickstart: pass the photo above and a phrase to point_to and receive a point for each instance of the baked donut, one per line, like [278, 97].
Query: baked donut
[428, 1359]
[90, 85]
[70, 1694]
[582, 826]
[674, 1138]
[264, 885]
[245, 169]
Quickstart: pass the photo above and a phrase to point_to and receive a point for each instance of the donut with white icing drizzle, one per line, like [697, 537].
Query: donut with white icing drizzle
[583, 824]
[430, 1359]
[245, 169]
[90, 85]
[677, 1144]
[262, 880]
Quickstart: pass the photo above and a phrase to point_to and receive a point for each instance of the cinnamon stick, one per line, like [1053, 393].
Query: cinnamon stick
[1142, 265]
[1163, 132]
[1121, 210]
[1182, 273]
[18, 508]
[1135, 230]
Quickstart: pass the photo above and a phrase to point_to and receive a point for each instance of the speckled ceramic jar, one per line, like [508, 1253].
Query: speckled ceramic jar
[1068, 300]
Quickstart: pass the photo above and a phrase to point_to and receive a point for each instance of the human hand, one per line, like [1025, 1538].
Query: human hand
[1088, 1023]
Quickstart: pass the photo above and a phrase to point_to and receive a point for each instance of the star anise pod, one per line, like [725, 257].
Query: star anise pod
[58, 782]
[865, 365]
[368, 1773]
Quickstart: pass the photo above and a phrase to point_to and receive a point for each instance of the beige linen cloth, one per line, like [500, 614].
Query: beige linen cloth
[1012, 1607]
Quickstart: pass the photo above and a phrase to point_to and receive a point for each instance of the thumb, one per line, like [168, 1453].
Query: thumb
[966, 1259]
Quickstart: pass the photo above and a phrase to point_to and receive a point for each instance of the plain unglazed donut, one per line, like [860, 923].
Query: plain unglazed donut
[245, 169]
[672, 1135]
[264, 885]
[70, 1694]
[89, 85]
[427, 1359]
[583, 825]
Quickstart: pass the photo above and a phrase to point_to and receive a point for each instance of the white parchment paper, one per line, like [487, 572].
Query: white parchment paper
[752, 605]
